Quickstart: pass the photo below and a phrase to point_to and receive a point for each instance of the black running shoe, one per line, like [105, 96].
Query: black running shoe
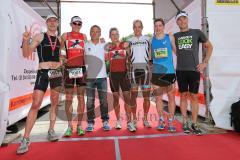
[186, 128]
[196, 130]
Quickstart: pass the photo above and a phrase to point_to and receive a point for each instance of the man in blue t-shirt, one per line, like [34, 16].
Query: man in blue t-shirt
[188, 67]
[163, 72]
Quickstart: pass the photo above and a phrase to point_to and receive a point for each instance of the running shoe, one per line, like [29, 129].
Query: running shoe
[68, 132]
[196, 130]
[80, 130]
[118, 124]
[131, 127]
[90, 127]
[186, 128]
[161, 124]
[52, 137]
[24, 144]
[171, 127]
[106, 126]
[146, 124]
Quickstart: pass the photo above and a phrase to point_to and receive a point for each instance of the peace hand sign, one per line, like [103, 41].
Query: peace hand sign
[27, 34]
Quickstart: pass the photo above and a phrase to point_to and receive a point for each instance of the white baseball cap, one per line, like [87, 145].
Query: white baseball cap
[181, 14]
[51, 16]
[76, 19]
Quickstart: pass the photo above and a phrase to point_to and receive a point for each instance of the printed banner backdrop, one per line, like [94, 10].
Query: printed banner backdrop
[224, 65]
[194, 15]
[17, 72]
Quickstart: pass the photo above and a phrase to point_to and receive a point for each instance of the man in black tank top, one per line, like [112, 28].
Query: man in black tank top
[48, 48]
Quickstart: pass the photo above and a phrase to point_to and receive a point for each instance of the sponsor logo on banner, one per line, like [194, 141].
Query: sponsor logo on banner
[228, 2]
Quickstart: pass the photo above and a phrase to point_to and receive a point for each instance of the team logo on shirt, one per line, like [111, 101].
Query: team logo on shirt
[185, 42]
[75, 44]
[118, 54]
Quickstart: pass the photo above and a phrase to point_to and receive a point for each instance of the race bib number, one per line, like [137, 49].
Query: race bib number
[54, 73]
[75, 72]
[161, 53]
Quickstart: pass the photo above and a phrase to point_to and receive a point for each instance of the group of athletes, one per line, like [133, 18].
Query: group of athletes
[140, 62]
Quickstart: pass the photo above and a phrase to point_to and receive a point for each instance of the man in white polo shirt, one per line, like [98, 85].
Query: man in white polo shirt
[96, 78]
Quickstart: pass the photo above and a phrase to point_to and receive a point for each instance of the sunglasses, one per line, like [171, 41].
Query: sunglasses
[75, 23]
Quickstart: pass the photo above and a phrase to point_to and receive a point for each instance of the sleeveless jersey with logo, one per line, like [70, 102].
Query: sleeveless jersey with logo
[44, 50]
[162, 55]
[75, 49]
[117, 57]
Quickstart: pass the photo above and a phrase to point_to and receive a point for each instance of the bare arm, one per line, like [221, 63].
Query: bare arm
[63, 39]
[150, 50]
[209, 47]
[172, 39]
[63, 49]
[85, 38]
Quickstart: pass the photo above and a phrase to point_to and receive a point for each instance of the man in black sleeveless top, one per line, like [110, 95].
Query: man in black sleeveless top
[48, 49]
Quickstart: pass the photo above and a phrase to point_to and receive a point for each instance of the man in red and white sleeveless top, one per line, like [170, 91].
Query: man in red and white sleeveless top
[74, 73]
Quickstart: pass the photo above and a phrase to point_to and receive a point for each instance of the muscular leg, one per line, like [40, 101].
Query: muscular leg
[116, 104]
[81, 103]
[126, 96]
[146, 103]
[32, 114]
[134, 93]
[68, 105]
[183, 105]
[54, 96]
[171, 103]
[159, 103]
[195, 106]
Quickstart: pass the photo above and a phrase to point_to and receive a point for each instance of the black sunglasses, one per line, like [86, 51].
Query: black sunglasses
[75, 23]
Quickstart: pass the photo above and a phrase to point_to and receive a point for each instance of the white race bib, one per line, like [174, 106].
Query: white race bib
[54, 73]
[75, 72]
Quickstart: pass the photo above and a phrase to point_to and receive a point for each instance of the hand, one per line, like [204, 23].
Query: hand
[150, 66]
[125, 45]
[112, 46]
[26, 35]
[102, 40]
[201, 67]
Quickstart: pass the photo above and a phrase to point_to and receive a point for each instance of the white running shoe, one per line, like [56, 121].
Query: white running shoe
[118, 124]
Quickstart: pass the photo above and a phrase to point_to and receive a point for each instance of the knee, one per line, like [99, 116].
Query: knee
[134, 94]
[54, 100]
[184, 96]
[69, 97]
[158, 99]
[35, 105]
[80, 99]
[146, 99]
[171, 97]
[194, 97]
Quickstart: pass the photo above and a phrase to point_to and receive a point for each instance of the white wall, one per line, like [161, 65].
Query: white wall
[224, 65]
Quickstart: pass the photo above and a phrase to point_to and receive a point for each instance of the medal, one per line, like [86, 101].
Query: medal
[53, 46]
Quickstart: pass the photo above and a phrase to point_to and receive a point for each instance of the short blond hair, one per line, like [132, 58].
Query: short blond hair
[136, 21]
